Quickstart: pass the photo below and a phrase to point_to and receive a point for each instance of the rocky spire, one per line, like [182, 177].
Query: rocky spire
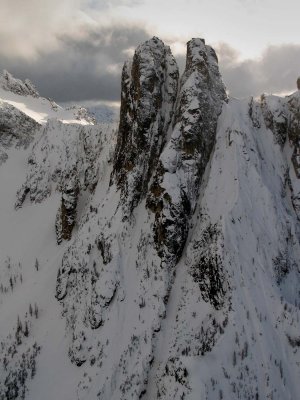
[149, 88]
[181, 166]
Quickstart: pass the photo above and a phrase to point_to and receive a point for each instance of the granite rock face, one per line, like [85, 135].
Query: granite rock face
[149, 88]
[176, 185]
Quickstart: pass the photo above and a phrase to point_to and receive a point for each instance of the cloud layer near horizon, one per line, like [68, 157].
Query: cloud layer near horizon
[83, 67]
[73, 57]
[276, 71]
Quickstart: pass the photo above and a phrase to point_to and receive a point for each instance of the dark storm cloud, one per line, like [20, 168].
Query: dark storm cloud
[84, 66]
[276, 71]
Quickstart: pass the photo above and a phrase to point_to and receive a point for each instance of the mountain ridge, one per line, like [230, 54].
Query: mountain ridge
[177, 273]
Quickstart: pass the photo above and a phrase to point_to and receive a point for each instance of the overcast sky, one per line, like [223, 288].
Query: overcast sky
[73, 50]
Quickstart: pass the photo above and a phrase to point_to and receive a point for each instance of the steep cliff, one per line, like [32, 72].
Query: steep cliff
[174, 193]
[157, 292]
[149, 88]
[177, 273]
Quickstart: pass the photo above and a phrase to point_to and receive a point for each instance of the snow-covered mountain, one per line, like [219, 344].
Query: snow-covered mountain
[25, 98]
[104, 113]
[11, 84]
[157, 258]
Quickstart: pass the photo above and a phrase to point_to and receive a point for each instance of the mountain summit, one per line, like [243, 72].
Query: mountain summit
[157, 258]
[26, 88]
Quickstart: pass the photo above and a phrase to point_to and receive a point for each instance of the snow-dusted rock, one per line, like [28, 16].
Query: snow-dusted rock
[9, 83]
[82, 113]
[25, 99]
[65, 158]
[195, 293]
[293, 102]
[148, 319]
[149, 88]
[16, 128]
[275, 115]
[174, 193]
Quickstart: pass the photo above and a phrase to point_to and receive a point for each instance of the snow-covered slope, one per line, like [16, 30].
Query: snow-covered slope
[25, 98]
[177, 273]
[11, 84]
[41, 157]
[239, 293]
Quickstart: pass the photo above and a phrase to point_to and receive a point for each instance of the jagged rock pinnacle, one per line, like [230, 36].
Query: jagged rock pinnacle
[149, 88]
[183, 161]
[181, 277]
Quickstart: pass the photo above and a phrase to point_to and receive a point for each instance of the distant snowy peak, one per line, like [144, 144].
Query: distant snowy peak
[17, 86]
[23, 98]
[103, 113]
[81, 113]
[13, 91]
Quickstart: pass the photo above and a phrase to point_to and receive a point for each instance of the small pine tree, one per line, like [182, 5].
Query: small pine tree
[36, 265]
[19, 331]
[19, 325]
[30, 310]
[26, 330]
[234, 359]
[36, 311]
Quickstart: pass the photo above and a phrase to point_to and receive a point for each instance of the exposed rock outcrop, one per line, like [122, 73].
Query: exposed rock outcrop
[207, 269]
[141, 313]
[275, 115]
[65, 158]
[26, 88]
[149, 88]
[16, 128]
[81, 113]
[63, 155]
[293, 103]
[114, 263]
[66, 214]
[175, 189]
